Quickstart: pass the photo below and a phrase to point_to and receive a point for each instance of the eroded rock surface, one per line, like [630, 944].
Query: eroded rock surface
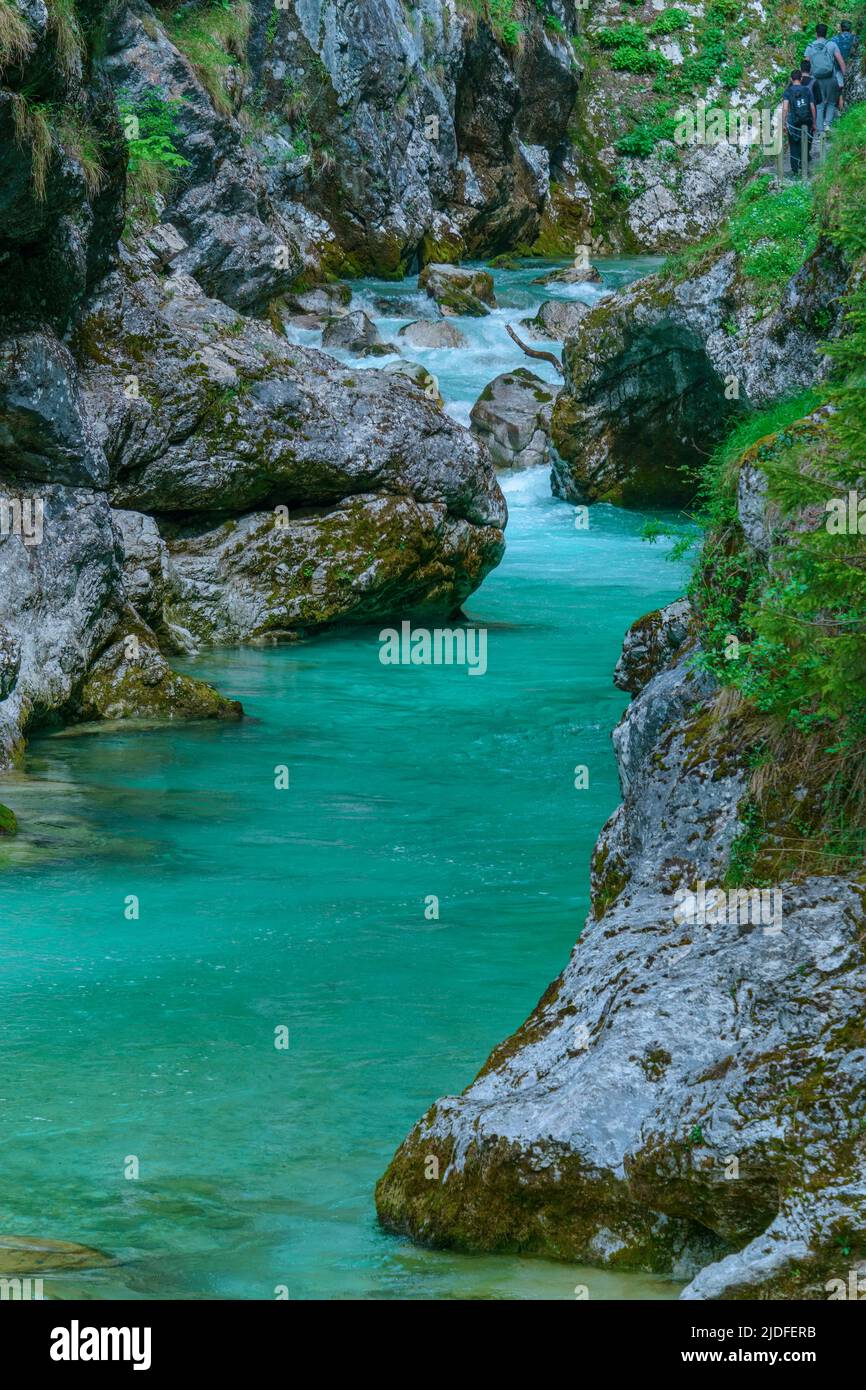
[655, 372]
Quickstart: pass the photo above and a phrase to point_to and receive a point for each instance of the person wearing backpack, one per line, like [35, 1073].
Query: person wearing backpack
[798, 112]
[825, 58]
[846, 42]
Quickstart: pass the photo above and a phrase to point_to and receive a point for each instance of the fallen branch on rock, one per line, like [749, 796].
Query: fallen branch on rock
[534, 352]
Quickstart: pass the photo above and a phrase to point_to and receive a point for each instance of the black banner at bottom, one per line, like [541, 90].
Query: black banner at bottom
[155, 1338]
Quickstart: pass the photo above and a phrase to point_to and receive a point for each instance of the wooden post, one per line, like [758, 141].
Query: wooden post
[804, 152]
[780, 160]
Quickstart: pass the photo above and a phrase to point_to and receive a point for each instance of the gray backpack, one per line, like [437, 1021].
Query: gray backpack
[822, 58]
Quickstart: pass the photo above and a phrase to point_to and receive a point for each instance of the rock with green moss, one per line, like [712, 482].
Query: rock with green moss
[512, 417]
[656, 372]
[8, 822]
[369, 558]
[463, 291]
[131, 679]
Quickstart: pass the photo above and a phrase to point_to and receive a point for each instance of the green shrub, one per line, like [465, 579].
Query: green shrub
[669, 21]
[150, 125]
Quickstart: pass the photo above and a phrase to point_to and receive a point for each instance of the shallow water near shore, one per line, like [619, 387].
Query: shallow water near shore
[153, 1039]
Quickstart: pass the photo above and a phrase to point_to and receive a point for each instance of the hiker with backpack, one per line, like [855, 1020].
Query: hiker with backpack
[846, 42]
[798, 113]
[825, 58]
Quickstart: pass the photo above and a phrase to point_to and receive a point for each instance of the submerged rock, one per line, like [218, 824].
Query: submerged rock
[570, 275]
[8, 822]
[30, 1255]
[468, 292]
[512, 415]
[426, 333]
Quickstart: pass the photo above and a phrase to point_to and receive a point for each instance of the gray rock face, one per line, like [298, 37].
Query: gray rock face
[230, 418]
[512, 416]
[557, 319]
[59, 603]
[239, 246]
[686, 1096]
[649, 645]
[682, 203]
[43, 431]
[441, 136]
[145, 563]
[654, 372]
[427, 333]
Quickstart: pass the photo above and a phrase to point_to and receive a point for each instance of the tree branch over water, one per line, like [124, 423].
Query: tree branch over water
[535, 352]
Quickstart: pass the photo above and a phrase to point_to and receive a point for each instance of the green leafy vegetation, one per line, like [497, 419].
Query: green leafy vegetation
[150, 126]
[630, 51]
[659, 124]
[773, 231]
[670, 21]
[501, 17]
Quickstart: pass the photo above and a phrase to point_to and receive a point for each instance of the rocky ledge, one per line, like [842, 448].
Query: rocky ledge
[655, 372]
[686, 1097]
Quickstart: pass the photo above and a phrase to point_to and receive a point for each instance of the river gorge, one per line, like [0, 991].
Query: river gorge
[307, 907]
[417, 615]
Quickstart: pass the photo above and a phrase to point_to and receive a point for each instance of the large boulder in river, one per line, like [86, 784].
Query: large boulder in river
[687, 1096]
[557, 319]
[571, 275]
[462, 291]
[233, 430]
[356, 333]
[433, 333]
[512, 416]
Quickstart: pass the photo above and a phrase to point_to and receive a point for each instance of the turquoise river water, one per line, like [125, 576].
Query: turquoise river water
[154, 1039]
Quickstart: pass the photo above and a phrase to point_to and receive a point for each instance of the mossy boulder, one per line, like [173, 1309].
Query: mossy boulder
[8, 822]
[468, 292]
[131, 679]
